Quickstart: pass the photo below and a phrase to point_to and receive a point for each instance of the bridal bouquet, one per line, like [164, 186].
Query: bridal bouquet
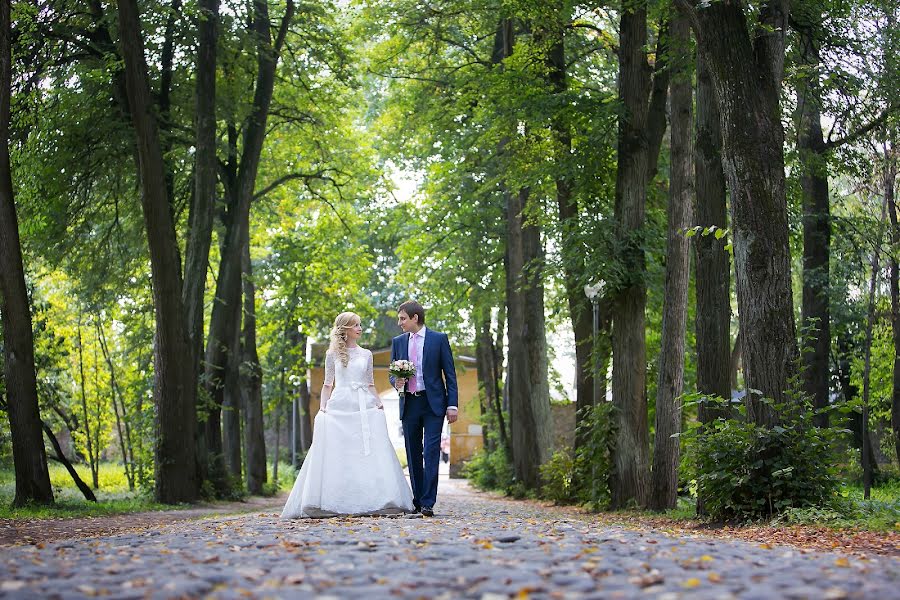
[402, 368]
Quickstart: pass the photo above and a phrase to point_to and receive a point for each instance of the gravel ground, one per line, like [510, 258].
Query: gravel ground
[476, 546]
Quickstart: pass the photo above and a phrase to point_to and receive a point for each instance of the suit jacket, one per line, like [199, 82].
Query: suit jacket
[438, 370]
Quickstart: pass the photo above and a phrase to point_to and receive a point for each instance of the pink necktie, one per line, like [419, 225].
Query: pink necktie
[413, 355]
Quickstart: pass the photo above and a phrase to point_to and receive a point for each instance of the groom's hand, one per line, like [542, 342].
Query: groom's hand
[452, 415]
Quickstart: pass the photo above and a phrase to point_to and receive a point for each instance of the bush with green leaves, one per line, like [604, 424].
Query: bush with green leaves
[747, 471]
[490, 468]
[584, 477]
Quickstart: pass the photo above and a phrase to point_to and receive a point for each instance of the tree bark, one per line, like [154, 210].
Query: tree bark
[202, 211]
[712, 266]
[29, 456]
[252, 386]
[488, 377]
[630, 472]
[304, 416]
[849, 391]
[580, 309]
[664, 477]
[890, 177]
[228, 284]
[815, 313]
[60, 457]
[233, 408]
[92, 458]
[746, 76]
[529, 388]
[122, 427]
[867, 457]
[175, 381]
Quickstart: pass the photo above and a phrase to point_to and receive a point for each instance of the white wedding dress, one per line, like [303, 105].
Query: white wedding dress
[351, 467]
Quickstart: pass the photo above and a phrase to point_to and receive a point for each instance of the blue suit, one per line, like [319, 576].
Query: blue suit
[423, 416]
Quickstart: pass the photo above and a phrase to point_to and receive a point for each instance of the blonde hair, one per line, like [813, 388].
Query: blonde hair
[343, 322]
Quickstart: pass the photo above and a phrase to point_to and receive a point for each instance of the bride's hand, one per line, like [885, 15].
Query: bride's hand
[399, 383]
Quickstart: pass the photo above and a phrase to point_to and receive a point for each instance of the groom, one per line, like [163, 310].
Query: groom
[429, 395]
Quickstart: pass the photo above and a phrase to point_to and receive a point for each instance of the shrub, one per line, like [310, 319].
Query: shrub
[748, 471]
[489, 470]
[584, 478]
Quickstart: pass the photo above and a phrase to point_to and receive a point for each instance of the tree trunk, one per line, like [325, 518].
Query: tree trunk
[712, 263]
[60, 457]
[232, 407]
[630, 471]
[580, 309]
[746, 76]
[228, 284]
[201, 216]
[92, 460]
[121, 417]
[815, 314]
[175, 381]
[664, 478]
[488, 377]
[304, 418]
[867, 457]
[29, 456]
[529, 389]
[849, 391]
[277, 454]
[254, 432]
[890, 176]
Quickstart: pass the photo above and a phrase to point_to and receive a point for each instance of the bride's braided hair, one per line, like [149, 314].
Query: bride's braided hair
[342, 323]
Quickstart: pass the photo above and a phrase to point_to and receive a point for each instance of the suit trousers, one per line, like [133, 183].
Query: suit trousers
[422, 433]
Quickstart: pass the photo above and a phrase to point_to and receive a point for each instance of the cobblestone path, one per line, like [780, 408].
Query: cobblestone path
[477, 546]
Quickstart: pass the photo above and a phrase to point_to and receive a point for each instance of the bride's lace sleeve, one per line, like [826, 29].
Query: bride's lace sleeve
[329, 368]
[370, 379]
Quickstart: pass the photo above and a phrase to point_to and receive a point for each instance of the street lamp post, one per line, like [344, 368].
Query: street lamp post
[594, 292]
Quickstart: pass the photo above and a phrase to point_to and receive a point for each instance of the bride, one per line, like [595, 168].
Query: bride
[351, 467]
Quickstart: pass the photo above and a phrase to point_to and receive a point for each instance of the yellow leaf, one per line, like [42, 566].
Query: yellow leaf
[842, 562]
[706, 558]
[691, 583]
[714, 577]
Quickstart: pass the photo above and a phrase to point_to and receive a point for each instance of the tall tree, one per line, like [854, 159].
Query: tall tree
[203, 203]
[175, 384]
[746, 73]
[664, 476]
[815, 312]
[240, 190]
[251, 386]
[641, 127]
[527, 384]
[580, 310]
[712, 268]
[29, 456]
[889, 178]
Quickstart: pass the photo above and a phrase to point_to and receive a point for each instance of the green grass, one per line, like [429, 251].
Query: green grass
[113, 495]
[881, 512]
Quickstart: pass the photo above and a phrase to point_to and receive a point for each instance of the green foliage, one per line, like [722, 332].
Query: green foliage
[746, 471]
[584, 477]
[113, 494]
[558, 478]
[490, 470]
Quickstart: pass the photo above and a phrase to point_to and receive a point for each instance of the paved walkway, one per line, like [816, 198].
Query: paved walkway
[477, 546]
